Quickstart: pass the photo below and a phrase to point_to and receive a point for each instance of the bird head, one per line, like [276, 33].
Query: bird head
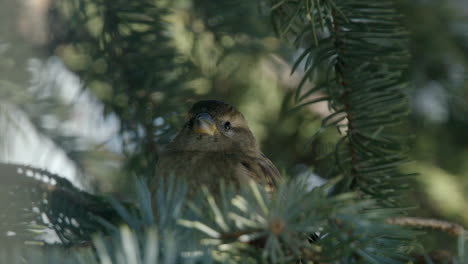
[215, 126]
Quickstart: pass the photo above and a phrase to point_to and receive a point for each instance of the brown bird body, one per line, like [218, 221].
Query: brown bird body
[216, 144]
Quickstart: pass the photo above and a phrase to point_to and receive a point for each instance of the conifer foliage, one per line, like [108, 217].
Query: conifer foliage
[353, 51]
[361, 50]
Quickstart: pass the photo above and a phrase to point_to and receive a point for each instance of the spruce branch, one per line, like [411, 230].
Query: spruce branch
[248, 223]
[361, 76]
[35, 200]
[445, 226]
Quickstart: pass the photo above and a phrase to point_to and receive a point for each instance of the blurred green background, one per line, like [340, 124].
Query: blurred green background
[94, 89]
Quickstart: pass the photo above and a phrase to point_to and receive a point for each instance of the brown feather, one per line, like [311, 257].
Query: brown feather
[230, 154]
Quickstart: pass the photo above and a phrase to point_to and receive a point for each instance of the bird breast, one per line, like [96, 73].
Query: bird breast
[210, 168]
[207, 168]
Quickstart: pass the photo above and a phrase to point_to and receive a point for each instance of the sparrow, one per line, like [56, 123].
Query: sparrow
[215, 144]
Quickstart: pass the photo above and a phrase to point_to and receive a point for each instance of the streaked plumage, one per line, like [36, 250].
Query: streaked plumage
[216, 143]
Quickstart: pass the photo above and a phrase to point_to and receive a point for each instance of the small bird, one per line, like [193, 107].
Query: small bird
[216, 144]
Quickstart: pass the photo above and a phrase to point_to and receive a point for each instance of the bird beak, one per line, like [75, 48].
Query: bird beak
[204, 124]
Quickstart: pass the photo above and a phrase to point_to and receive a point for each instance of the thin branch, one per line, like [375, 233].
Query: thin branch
[448, 227]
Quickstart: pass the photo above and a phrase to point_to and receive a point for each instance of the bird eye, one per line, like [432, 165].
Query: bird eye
[227, 125]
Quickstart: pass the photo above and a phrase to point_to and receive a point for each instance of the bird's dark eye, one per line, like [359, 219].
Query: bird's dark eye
[227, 125]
